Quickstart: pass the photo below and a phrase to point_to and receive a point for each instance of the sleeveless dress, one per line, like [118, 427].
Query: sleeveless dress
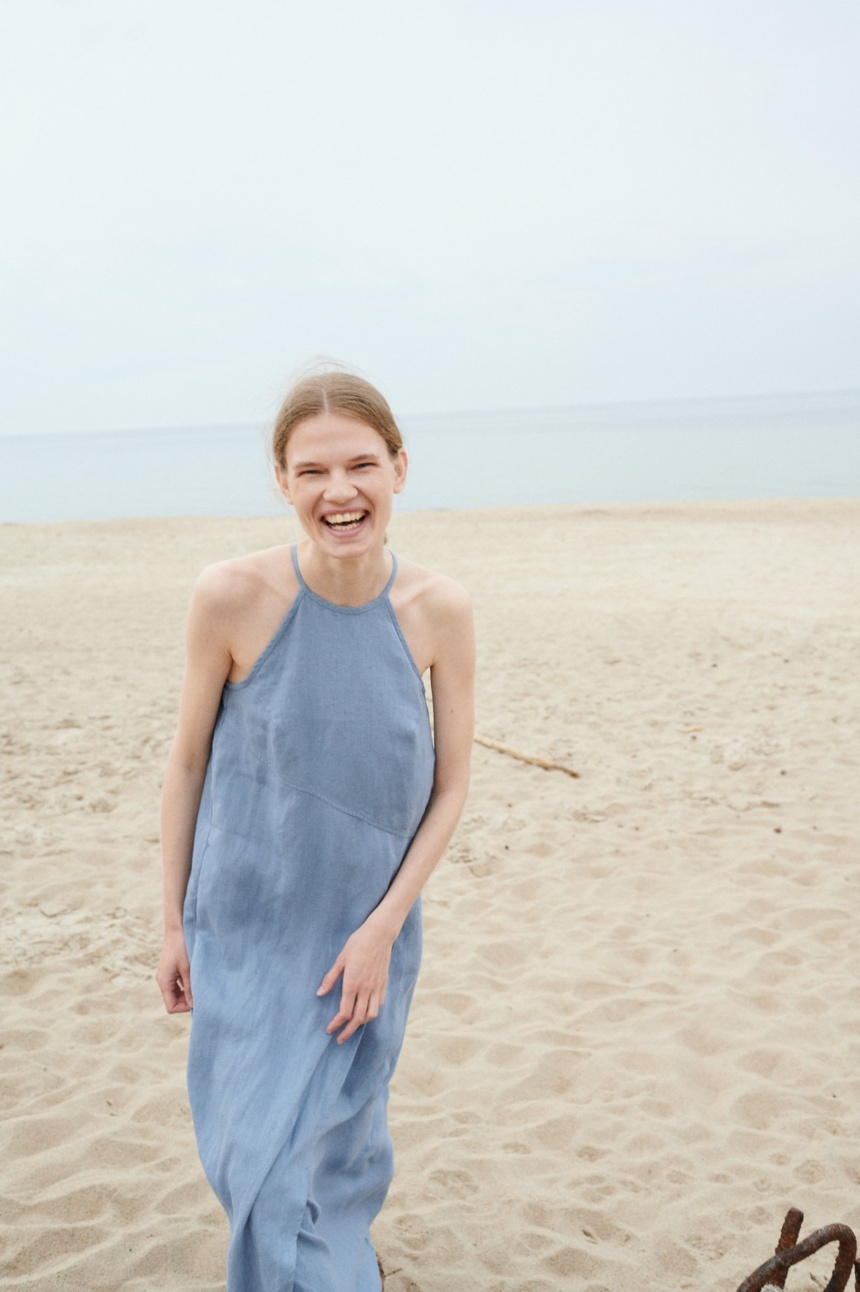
[320, 772]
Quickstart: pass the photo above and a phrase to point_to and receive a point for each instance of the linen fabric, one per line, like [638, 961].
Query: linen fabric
[320, 771]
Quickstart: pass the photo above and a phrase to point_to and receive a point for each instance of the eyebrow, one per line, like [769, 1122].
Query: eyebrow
[359, 457]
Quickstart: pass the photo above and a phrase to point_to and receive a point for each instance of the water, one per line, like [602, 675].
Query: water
[798, 446]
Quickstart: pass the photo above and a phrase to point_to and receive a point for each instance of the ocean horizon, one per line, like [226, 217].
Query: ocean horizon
[769, 446]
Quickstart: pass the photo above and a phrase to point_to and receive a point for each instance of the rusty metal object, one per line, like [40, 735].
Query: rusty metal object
[789, 1251]
[788, 1236]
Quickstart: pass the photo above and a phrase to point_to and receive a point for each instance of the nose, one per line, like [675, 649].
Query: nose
[339, 488]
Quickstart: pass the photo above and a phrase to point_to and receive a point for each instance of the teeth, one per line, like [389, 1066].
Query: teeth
[345, 518]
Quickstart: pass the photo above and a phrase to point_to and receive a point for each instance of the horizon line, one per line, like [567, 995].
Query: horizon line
[513, 410]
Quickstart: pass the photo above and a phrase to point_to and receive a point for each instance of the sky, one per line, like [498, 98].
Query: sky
[479, 204]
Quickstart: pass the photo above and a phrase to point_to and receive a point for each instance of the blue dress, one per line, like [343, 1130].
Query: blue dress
[320, 772]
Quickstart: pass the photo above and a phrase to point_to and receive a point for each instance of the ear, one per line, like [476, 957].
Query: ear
[401, 466]
[281, 477]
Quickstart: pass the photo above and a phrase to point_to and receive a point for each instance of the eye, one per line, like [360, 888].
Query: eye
[361, 465]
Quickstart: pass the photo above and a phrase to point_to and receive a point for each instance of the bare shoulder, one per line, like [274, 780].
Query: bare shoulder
[435, 615]
[431, 593]
[236, 586]
[237, 606]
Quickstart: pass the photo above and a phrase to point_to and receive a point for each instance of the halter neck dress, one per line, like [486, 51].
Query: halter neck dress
[320, 771]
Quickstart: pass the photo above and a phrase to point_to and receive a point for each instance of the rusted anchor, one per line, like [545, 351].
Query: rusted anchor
[789, 1252]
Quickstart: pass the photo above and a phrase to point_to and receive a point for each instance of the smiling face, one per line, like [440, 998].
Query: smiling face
[341, 479]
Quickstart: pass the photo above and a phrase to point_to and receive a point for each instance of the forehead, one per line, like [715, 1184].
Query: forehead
[327, 436]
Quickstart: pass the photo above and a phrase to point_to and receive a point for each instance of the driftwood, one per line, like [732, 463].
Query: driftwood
[535, 761]
[789, 1251]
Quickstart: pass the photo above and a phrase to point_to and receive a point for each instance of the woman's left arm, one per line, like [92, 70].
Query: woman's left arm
[365, 958]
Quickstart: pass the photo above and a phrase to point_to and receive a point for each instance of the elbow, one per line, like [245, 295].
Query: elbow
[190, 764]
[453, 789]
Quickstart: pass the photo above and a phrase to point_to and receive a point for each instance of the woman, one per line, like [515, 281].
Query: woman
[304, 807]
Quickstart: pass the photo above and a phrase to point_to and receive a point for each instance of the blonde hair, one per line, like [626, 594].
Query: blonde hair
[333, 392]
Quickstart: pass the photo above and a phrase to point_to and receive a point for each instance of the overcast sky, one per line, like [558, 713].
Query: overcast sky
[479, 203]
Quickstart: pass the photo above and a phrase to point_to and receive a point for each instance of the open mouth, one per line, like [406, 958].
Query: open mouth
[343, 522]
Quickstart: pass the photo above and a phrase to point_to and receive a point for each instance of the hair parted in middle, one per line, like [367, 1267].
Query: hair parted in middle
[334, 391]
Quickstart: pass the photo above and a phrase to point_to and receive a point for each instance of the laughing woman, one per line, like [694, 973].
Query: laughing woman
[304, 808]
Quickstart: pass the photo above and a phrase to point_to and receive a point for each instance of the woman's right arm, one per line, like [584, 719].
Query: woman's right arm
[208, 663]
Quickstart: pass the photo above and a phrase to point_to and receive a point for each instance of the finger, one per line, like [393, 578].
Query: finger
[185, 982]
[344, 1014]
[352, 1026]
[363, 1013]
[174, 983]
[330, 979]
[336, 1022]
[173, 997]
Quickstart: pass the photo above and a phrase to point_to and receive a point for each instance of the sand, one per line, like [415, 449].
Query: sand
[635, 1039]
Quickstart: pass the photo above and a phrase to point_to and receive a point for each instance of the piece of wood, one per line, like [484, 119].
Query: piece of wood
[535, 761]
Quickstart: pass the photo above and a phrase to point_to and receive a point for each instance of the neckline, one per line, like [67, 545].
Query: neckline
[333, 605]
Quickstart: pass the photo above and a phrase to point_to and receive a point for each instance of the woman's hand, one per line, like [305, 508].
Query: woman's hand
[363, 962]
[174, 974]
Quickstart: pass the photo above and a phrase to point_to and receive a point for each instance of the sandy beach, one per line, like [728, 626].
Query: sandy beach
[635, 1039]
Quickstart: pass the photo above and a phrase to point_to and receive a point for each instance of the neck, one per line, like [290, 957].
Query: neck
[345, 580]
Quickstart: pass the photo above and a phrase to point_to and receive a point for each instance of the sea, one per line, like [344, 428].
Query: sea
[786, 446]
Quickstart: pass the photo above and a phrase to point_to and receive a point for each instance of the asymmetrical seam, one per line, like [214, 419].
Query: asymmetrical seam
[282, 875]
